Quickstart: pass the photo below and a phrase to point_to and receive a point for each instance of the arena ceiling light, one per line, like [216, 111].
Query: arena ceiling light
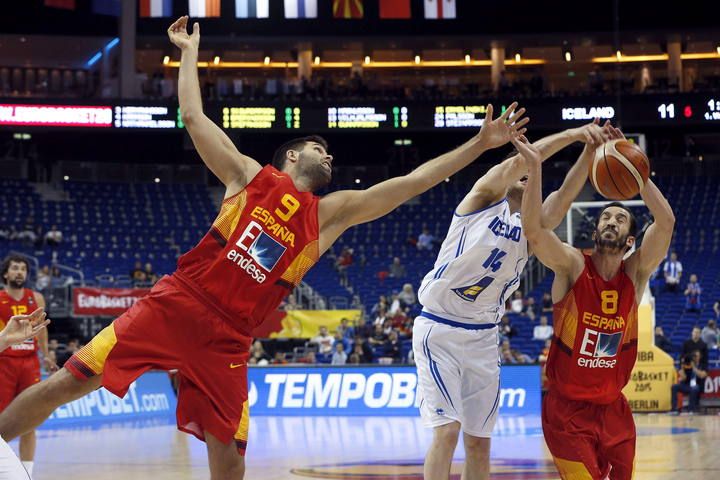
[216, 60]
[317, 60]
[417, 59]
[267, 60]
[567, 55]
[166, 60]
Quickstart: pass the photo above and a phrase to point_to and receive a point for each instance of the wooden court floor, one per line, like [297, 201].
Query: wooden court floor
[358, 448]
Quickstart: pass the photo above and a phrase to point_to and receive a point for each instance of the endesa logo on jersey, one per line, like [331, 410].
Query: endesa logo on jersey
[599, 346]
[256, 248]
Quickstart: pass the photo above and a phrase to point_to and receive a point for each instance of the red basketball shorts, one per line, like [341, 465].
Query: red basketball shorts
[171, 329]
[17, 374]
[587, 440]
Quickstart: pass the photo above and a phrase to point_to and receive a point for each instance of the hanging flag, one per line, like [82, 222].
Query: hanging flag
[395, 9]
[204, 8]
[156, 8]
[435, 9]
[66, 4]
[300, 8]
[252, 8]
[106, 7]
[348, 9]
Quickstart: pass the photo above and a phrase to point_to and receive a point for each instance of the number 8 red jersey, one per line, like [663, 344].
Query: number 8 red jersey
[262, 243]
[595, 343]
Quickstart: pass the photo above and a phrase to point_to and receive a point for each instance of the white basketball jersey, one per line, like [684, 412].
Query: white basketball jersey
[478, 267]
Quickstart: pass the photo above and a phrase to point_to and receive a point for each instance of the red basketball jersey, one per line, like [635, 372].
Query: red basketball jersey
[10, 307]
[262, 243]
[595, 343]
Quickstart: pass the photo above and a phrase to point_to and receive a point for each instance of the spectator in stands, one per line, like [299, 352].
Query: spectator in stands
[692, 295]
[547, 303]
[43, 279]
[407, 295]
[346, 330]
[363, 328]
[324, 341]
[137, 274]
[53, 344]
[39, 237]
[279, 359]
[339, 357]
[379, 336]
[354, 359]
[150, 275]
[661, 341]
[517, 303]
[258, 356]
[291, 303]
[673, 273]
[716, 309]
[72, 347]
[388, 326]
[397, 269]
[338, 338]
[27, 234]
[521, 358]
[695, 343]
[505, 329]
[392, 348]
[380, 318]
[381, 303]
[308, 358]
[710, 335]
[691, 378]
[362, 349]
[396, 305]
[53, 237]
[342, 263]
[542, 331]
[542, 358]
[425, 240]
[530, 309]
[506, 355]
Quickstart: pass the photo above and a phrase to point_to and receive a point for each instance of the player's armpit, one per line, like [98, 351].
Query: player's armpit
[554, 254]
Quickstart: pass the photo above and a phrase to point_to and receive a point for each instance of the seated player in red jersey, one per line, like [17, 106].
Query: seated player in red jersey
[587, 422]
[270, 230]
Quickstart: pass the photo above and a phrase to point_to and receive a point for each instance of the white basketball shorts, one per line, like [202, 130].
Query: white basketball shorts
[458, 375]
[10, 466]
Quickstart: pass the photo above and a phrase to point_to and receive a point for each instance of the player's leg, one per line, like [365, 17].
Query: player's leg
[29, 375]
[439, 387]
[481, 398]
[477, 458]
[225, 461]
[618, 437]
[569, 431]
[28, 443]
[33, 406]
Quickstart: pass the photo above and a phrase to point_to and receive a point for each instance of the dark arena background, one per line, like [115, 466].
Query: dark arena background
[101, 190]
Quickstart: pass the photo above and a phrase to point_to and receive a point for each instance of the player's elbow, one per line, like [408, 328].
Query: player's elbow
[188, 118]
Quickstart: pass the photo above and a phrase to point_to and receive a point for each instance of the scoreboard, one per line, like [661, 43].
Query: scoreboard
[630, 111]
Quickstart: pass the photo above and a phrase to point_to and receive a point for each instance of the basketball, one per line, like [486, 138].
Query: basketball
[619, 170]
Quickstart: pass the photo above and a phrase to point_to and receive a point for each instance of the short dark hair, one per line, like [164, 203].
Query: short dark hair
[13, 258]
[633, 220]
[280, 156]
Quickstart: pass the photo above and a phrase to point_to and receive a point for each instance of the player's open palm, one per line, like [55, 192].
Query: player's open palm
[24, 327]
[527, 150]
[497, 132]
[179, 35]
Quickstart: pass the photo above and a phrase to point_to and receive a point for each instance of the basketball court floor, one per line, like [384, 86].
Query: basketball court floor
[358, 448]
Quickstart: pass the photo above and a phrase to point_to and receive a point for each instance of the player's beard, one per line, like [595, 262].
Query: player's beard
[319, 177]
[619, 243]
[17, 283]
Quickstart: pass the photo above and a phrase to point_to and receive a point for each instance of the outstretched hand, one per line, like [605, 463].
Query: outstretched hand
[179, 36]
[24, 327]
[498, 132]
[529, 152]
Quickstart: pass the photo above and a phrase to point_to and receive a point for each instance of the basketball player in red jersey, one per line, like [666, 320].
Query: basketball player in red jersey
[19, 364]
[587, 422]
[270, 231]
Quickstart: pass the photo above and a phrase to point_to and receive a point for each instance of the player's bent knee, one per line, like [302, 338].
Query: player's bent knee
[477, 445]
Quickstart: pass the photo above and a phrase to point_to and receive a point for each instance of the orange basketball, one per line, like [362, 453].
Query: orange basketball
[619, 170]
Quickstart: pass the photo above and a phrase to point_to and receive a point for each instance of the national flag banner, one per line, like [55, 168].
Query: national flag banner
[106, 7]
[395, 9]
[252, 8]
[300, 8]
[156, 8]
[66, 4]
[348, 9]
[204, 8]
[439, 9]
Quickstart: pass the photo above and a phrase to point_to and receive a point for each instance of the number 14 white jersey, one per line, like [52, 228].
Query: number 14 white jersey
[478, 267]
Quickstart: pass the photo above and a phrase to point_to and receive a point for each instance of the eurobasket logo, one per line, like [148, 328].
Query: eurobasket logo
[599, 346]
[260, 247]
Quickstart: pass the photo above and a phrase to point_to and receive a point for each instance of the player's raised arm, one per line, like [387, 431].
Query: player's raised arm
[345, 208]
[216, 149]
[553, 253]
[658, 236]
[494, 185]
[557, 204]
